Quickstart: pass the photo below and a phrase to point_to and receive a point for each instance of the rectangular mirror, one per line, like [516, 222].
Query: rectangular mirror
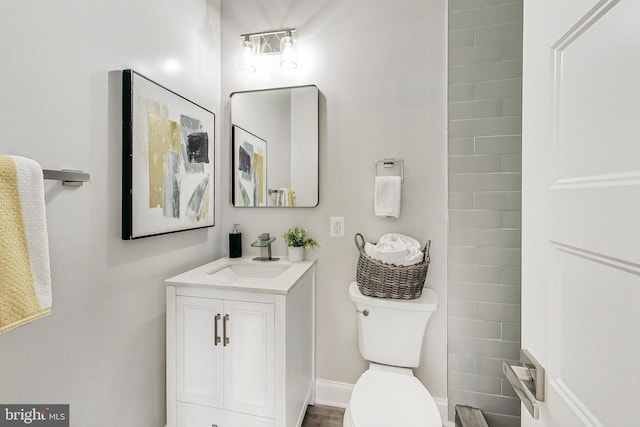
[275, 147]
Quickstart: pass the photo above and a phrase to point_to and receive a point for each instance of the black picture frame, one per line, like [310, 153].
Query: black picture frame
[168, 168]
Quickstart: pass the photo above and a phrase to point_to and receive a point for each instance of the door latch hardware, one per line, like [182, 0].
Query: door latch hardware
[527, 381]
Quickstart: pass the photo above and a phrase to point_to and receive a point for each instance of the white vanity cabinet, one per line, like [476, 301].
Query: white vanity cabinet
[240, 354]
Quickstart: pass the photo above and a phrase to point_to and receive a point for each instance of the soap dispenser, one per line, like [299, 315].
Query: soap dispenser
[235, 242]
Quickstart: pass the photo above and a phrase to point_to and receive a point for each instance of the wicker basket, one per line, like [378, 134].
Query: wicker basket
[378, 279]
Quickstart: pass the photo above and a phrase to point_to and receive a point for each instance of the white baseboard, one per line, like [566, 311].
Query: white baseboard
[337, 394]
[333, 393]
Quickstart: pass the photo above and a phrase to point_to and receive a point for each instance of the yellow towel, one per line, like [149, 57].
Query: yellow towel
[289, 197]
[25, 278]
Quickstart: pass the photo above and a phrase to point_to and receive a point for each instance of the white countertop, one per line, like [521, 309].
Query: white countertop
[203, 276]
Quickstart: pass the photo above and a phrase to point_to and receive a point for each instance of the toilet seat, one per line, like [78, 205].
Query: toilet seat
[384, 399]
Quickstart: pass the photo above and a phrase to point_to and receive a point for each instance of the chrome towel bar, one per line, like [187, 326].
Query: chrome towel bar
[71, 178]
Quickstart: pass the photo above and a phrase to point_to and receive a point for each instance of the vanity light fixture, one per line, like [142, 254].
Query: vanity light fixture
[248, 56]
[288, 56]
[269, 43]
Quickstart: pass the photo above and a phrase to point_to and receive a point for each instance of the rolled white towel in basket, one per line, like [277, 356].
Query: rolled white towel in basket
[396, 249]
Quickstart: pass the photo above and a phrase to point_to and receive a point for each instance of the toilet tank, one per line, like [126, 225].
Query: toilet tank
[393, 330]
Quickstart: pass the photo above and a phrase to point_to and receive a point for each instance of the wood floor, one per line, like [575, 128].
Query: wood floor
[323, 416]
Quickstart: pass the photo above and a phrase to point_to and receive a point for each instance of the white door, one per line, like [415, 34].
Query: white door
[581, 209]
[249, 358]
[199, 351]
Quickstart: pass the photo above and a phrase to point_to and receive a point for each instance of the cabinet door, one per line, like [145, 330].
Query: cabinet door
[249, 383]
[199, 358]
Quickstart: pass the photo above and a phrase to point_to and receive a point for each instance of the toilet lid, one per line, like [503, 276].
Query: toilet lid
[382, 399]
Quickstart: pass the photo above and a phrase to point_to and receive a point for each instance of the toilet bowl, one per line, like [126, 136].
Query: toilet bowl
[387, 396]
[390, 336]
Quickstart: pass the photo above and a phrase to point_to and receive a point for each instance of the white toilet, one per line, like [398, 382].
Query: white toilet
[390, 335]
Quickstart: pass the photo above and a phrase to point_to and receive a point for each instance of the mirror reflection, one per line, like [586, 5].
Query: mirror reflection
[275, 147]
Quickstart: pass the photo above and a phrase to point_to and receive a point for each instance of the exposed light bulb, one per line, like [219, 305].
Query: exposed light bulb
[288, 56]
[247, 59]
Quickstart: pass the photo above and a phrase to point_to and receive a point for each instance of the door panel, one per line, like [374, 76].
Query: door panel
[581, 204]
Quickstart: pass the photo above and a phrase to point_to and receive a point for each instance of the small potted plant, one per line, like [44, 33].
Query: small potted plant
[297, 240]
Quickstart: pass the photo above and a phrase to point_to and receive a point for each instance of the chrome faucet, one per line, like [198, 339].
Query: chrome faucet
[264, 243]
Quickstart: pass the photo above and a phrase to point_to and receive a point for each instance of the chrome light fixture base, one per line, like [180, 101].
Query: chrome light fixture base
[269, 43]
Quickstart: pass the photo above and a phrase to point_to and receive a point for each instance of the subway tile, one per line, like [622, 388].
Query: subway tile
[485, 237]
[498, 256]
[474, 383]
[475, 328]
[507, 200]
[508, 144]
[500, 14]
[511, 276]
[473, 273]
[475, 219]
[499, 89]
[461, 38]
[474, 164]
[460, 255]
[497, 33]
[485, 127]
[475, 55]
[485, 292]
[475, 109]
[464, 200]
[511, 219]
[511, 50]
[500, 420]
[484, 72]
[511, 332]
[461, 309]
[485, 182]
[512, 106]
[492, 366]
[484, 348]
[511, 163]
[498, 312]
[461, 92]
[461, 363]
[458, 5]
[461, 146]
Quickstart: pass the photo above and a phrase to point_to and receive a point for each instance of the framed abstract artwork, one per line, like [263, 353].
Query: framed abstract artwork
[249, 169]
[168, 165]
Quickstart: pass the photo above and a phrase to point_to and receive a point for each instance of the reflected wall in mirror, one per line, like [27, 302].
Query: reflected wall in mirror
[275, 147]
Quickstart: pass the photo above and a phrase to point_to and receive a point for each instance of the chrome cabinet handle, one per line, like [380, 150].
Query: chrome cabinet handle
[224, 330]
[364, 312]
[216, 338]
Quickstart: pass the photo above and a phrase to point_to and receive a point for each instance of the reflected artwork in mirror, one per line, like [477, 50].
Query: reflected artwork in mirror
[275, 147]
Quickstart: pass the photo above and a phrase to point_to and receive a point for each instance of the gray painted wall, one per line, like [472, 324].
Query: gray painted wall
[102, 350]
[381, 71]
[485, 79]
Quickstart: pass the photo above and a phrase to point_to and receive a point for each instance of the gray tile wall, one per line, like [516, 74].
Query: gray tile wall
[485, 98]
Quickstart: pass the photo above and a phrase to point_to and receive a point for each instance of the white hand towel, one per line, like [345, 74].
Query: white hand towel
[25, 277]
[396, 249]
[389, 253]
[414, 250]
[388, 191]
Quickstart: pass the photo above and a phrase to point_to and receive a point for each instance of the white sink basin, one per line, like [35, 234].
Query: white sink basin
[249, 271]
[245, 274]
